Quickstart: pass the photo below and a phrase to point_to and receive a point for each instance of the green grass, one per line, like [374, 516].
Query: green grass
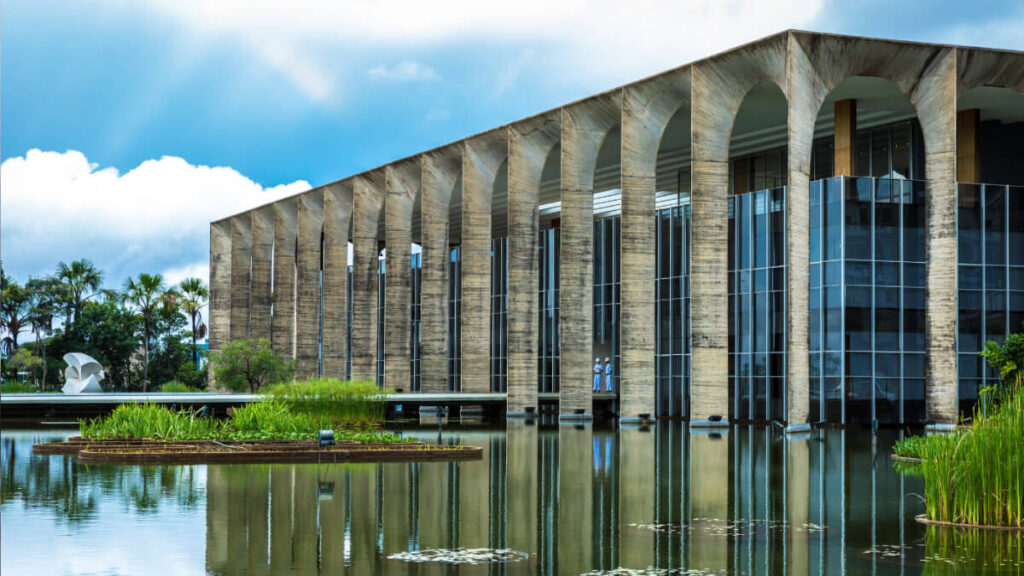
[976, 475]
[333, 402]
[910, 447]
[175, 386]
[16, 388]
[269, 419]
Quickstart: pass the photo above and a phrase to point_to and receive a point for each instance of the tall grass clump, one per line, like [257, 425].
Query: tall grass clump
[332, 402]
[137, 421]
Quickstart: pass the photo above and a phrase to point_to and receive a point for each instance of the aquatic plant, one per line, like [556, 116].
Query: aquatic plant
[333, 402]
[910, 447]
[151, 421]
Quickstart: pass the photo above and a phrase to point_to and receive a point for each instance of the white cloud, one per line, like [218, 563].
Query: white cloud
[408, 71]
[153, 218]
[592, 41]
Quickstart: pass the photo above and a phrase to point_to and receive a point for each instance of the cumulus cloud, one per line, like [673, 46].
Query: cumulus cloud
[602, 40]
[408, 71]
[152, 218]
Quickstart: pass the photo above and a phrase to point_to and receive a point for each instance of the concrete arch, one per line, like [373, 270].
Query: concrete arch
[282, 324]
[440, 174]
[402, 183]
[927, 75]
[481, 157]
[337, 225]
[308, 258]
[262, 266]
[647, 109]
[368, 195]
[719, 86]
[584, 127]
[530, 144]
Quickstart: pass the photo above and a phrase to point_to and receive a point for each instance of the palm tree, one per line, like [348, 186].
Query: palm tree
[79, 276]
[44, 295]
[14, 309]
[147, 293]
[194, 295]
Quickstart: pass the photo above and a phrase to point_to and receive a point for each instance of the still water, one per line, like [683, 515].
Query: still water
[549, 500]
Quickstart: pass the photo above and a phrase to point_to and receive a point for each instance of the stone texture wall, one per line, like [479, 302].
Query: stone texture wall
[481, 158]
[337, 218]
[262, 254]
[368, 195]
[220, 286]
[307, 264]
[283, 320]
[529, 145]
[584, 127]
[646, 111]
[241, 252]
[402, 182]
[440, 171]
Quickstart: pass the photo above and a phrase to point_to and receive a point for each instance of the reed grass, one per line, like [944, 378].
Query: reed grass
[268, 419]
[333, 402]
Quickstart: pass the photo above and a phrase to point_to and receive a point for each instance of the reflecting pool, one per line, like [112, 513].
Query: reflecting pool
[543, 500]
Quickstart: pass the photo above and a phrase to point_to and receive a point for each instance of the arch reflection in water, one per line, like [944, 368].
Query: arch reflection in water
[579, 500]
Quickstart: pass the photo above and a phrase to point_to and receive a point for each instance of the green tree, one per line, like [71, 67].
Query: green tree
[240, 365]
[82, 280]
[45, 295]
[194, 295]
[14, 312]
[149, 295]
[23, 359]
[106, 331]
[1007, 359]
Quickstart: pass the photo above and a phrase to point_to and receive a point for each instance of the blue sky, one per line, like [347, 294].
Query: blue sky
[128, 103]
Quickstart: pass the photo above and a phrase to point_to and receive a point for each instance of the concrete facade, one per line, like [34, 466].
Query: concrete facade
[461, 179]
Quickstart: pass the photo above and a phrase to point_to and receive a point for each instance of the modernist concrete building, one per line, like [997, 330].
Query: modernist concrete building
[809, 227]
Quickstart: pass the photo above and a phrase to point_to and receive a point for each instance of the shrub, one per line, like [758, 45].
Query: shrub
[241, 366]
[175, 386]
[16, 388]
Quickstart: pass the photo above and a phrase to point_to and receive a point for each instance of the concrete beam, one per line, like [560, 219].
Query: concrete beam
[368, 197]
[584, 127]
[262, 255]
[440, 172]
[646, 110]
[402, 182]
[283, 321]
[529, 145]
[337, 220]
[241, 260]
[481, 158]
[308, 259]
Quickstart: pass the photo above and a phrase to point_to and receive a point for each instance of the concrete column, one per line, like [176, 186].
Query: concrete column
[402, 182]
[220, 285]
[845, 133]
[337, 218]
[262, 253]
[529, 145]
[481, 158]
[440, 170]
[711, 123]
[308, 257]
[241, 260]
[646, 111]
[934, 98]
[368, 195]
[968, 162]
[636, 499]
[283, 322]
[584, 127]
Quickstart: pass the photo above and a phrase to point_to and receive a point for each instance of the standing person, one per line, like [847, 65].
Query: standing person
[597, 375]
[608, 374]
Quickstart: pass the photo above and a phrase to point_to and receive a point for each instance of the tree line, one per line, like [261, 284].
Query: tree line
[146, 333]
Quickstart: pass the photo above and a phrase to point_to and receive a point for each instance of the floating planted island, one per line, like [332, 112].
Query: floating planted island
[282, 427]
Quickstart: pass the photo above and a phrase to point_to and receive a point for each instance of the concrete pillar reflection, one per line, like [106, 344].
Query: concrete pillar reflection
[333, 510]
[337, 219]
[575, 498]
[283, 321]
[217, 526]
[440, 170]
[305, 537]
[241, 253]
[262, 254]
[584, 127]
[481, 158]
[308, 257]
[474, 495]
[637, 484]
[798, 506]
[529, 145]
[522, 485]
[402, 182]
[368, 200]
[646, 111]
[281, 512]
[709, 499]
[396, 520]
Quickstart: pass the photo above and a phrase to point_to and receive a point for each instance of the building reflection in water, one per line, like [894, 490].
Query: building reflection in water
[579, 499]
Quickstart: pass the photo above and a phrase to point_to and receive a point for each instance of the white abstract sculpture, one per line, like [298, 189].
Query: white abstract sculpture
[83, 374]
